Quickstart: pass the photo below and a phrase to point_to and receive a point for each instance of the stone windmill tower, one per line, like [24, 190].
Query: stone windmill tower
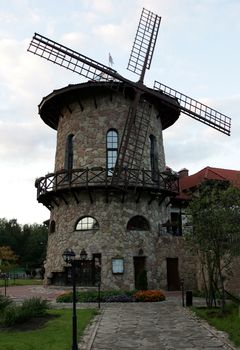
[109, 191]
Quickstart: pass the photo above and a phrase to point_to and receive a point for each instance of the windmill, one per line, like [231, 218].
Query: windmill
[135, 132]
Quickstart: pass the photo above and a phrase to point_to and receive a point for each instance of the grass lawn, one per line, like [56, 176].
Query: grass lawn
[228, 322]
[55, 334]
[21, 282]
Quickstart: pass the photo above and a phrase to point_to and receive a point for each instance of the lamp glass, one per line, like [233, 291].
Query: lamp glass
[68, 255]
[83, 254]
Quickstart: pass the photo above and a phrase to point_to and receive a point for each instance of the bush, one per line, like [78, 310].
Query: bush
[114, 296]
[149, 295]
[31, 308]
[4, 302]
[37, 307]
[14, 315]
[90, 297]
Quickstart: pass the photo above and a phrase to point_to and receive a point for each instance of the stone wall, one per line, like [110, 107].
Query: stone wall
[111, 240]
[89, 122]
[89, 127]
[169, 246]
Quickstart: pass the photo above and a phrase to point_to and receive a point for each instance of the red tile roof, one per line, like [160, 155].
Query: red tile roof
[191, 181]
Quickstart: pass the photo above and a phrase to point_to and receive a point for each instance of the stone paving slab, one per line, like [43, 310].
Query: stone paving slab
[155, 326]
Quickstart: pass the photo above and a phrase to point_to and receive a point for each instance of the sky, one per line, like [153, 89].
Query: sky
[197, 53]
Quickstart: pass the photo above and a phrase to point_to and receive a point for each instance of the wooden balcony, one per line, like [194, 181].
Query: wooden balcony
[55, 185]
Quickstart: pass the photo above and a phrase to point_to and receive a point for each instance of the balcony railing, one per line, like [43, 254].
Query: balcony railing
[99, 177]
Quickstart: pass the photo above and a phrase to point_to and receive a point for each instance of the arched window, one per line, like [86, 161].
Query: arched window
[69, 153]
[138, 223]
[52, 226]
[153, 156]
[112, 149]
[87, 223]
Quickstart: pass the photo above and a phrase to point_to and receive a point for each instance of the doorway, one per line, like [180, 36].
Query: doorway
[139, 271]
[173, 280]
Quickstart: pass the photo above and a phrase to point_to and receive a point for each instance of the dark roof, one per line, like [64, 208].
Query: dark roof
[51, 105]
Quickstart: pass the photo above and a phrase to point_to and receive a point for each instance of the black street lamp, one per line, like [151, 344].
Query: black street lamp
[83, 255]
[69, 258]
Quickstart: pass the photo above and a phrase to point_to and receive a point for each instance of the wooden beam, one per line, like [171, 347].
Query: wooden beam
[63, 198]
[161, 199]
[75, 196]
[80, 104]
[90, 195]
[138, 196]
[95, 101]
[55, 202]
[151, 199]
[69, 109]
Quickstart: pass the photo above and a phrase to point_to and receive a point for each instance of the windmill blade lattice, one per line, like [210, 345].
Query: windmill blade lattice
[144, 43]
[70, 59]
[198, 110]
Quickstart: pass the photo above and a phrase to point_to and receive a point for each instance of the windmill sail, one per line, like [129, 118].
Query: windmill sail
[70, 59]
[198, 110]
[144, 43]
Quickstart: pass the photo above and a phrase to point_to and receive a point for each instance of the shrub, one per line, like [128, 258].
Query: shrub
[90, 297]
[14, 314]
[31, 308]
[36, 307]
[4, 302]
[149, 295]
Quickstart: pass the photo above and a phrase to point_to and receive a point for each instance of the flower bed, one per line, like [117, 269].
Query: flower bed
[149, 295]
[114, 296]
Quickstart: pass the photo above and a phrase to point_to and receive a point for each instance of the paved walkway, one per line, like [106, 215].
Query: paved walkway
[155, 326]
[139, 326]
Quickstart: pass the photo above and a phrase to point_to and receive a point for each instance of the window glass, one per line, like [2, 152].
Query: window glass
[112, 149]
[87, 223]
[69, 153]
[138, 223]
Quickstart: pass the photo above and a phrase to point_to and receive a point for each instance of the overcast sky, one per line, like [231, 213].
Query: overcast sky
[197, 53]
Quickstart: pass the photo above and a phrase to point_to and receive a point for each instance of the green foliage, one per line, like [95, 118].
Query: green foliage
[215, 213]
[14, 315]
[4, 302]
[28, 242]
[31, 308]
[37, 306]
[55, 335]
[227, 321]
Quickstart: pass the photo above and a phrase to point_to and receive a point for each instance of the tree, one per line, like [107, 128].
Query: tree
[28, 242]
[215, 213]
[35, 247]
[7, 259]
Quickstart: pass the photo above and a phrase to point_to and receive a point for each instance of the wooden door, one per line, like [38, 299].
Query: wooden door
[173, 280]
[139, 270]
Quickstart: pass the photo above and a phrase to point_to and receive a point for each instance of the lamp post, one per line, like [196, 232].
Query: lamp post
[69, 258]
